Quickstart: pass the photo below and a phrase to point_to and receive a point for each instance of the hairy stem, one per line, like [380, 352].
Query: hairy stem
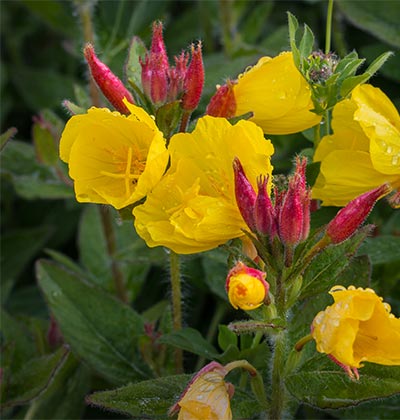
[111, 249]
[176, 304]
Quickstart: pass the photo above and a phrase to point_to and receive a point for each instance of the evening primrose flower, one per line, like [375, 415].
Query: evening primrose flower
[113, 159]
[357, 328]
[207, 396]
[246, 287]
[274, 91]
[193, 207]
[364, 150]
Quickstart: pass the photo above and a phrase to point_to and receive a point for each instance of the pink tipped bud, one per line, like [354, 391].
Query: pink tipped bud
[264, 212]
[245, 195]
[158, 45]
[349, 218]
[194, 80]
[223, 103]
[111, 86]
[177, 76]
[294, 213]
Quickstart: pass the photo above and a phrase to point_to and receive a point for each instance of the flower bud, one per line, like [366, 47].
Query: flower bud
[155, 68]
[245, 195]
[206, 396]
[223, 103]
[194, 80]
[111, 86]
[264, 212]
[349, 218]
[294, 213]
[246, 287]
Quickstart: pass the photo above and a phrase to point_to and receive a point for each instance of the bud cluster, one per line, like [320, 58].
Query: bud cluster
[163, 83]
[288, 217]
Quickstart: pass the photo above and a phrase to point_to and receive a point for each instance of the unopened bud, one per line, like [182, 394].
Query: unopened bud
[246, 287]
[349, 218]
[223, 103]
[245, 195]
[294, 213]
[111, 86]
[194, 80]
[264, 212]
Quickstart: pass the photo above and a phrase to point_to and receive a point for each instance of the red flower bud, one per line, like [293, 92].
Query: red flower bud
[157, 44]
[264, 211]
[194, 80]
[245, 195]
[111, 86]
[294, 213]
[349, 218]
[223, 103]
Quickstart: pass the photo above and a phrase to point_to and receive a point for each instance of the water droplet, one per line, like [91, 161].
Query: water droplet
[395, 160]
[389, 150]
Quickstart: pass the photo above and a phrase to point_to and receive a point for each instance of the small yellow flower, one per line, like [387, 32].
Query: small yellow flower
[112, 158]
[364, 151]
[275, 91]
[193, 208]
[207, 396]
[246, 287]
[357, 328]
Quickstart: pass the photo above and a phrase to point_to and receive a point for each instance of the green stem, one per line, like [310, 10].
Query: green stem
[109, 235]
[277, 382]
[328, 27]
[176, 304]
[184, 121]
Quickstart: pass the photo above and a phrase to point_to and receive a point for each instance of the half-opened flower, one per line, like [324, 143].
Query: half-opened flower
[364, 150]
[274, 91]
[112, 158]
[358, 327]
[193, 208]
[207, 397]
[246, 287]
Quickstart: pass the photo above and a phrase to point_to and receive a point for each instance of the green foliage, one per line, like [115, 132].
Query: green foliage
[119, 355]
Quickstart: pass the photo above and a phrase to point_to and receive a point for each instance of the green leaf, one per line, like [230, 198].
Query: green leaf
[101, 330]
[325, 268]
[133, 69]
[6, 136]
[141, 400]
[18, 248]
[380, 18]
[17, 337]
[382, 249]
[191, 340]
[351, 82]
[307, 42]
[34, 377]
[327, 386]
[30, 178]
[45, 145]
[65, 397]
[226, 337]
[293, 27]
[215, 268]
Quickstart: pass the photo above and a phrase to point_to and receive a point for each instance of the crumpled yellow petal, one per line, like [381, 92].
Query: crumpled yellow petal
[193, 208]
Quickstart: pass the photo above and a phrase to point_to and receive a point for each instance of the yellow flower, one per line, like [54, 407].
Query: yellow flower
[246, 287]
[193, 208]
[207, 396]
[363, 152]
[275, 91]
[113, 159]
[357, 328]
